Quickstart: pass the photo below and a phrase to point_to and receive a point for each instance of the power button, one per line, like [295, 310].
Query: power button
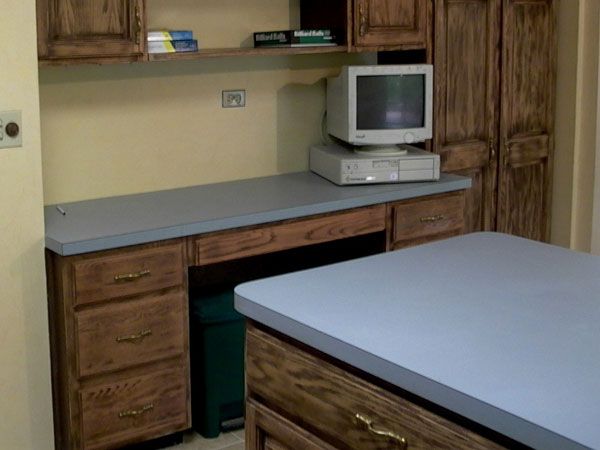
[409, 138]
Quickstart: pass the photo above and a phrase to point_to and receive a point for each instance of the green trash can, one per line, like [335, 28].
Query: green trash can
[217, 361]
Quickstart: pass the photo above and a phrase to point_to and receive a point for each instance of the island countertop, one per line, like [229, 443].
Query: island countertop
[499, 329]
[106, 223]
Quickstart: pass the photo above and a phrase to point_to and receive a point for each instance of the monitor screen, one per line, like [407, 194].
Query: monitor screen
[390, 102]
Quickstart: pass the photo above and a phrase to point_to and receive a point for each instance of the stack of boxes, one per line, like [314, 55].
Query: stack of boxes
[171, 41]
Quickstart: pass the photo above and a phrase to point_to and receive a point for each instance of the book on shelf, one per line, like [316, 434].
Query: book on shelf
[294, 38]
[170, 35]
[179, 46]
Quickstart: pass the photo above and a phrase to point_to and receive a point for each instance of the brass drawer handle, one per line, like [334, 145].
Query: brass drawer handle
[364, 19]
[136, 412]
[138, 24]
[132, 276]
[432, 219]
[134, 337]
[367, 423]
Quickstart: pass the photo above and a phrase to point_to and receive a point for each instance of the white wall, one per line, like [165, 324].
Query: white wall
[25, 399]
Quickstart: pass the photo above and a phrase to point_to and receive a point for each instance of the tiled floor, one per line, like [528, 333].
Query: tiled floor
[233, 440]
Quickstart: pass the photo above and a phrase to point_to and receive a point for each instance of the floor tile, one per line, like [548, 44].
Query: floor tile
[193, 441]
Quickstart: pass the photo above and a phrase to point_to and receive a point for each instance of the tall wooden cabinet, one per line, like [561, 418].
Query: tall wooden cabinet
[494, 64]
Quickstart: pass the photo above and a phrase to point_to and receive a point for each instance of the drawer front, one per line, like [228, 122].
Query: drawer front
[251, 242]
[128, 273]
[417, 219]
[134, 409]
[117, 336]
[327, 399]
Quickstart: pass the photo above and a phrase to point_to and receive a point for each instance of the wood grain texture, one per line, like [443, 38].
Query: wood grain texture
[401, 24]
[157, 399]
[527, 120]
[325, 398]
[235, 244]
[467, 86]
[425, 219]
[70, 29]
[103, 333]
[66, 380]
[267, 430]
[159, 268]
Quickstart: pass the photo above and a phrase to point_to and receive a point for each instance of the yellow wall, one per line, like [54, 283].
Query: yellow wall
[111, 130]
[26, 417]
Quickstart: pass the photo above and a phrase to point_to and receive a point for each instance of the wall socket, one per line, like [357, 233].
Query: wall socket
[11, 129]
[234, 99]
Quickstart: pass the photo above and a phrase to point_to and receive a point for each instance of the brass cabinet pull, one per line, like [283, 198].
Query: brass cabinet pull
[138, 23]
[136, 412]
[134, 337]
[492, 148]
[132, 276]
[364, 18]
[367, 423]
[432, 219]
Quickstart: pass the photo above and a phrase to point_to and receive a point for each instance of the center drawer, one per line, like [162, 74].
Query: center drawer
[121, 335]
[341, 408]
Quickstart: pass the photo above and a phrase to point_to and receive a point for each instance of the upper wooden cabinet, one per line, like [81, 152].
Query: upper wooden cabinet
[391, 24]
[104, 30]
[494, 63]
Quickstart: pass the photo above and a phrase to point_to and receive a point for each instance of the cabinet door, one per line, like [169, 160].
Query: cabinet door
[267, 430]
[391, 23]
[91, 28]
[467, 86]
[528, 79]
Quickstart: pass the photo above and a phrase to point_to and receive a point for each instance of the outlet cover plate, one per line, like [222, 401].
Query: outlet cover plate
[234, 99]
[7, 117]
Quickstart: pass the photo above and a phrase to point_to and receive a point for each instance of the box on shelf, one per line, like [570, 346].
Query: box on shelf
[170, 35]
[294, 38]
[188, 45]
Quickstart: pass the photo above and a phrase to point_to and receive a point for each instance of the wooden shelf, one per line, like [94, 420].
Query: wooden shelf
[246, 51]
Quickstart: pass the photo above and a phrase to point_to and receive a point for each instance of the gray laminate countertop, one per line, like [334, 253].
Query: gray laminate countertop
[106, 223]
[499, 329]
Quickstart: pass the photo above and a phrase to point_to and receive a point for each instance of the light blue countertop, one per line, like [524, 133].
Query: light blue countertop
[114, 222]
[499, 329]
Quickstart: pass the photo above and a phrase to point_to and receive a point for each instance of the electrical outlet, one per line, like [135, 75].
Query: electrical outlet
[10, 129]
[234, 99]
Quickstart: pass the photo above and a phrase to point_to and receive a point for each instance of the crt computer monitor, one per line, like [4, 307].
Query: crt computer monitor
[381, 105]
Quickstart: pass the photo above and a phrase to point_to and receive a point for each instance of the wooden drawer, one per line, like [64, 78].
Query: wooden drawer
[128, 273]
[266, 239]
[116, 336]
[133, 409]
[420, 219]
[327, 399]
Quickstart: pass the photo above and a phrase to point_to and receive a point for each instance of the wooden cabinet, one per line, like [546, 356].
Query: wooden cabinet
[119, 345]
[92, 31]
[423, 220]
[494, 63]
[330, 405]
[391, 24]
[108, 31]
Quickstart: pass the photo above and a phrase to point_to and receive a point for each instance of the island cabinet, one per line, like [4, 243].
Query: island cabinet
[99, 30]
[494, 63]
[299, 398]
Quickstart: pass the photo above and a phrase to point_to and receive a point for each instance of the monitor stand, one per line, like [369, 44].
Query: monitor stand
[381, 150]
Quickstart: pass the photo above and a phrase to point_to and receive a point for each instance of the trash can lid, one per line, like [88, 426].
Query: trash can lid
[215, 307]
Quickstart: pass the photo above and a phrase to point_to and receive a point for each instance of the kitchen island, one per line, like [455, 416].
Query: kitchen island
[478, 341]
